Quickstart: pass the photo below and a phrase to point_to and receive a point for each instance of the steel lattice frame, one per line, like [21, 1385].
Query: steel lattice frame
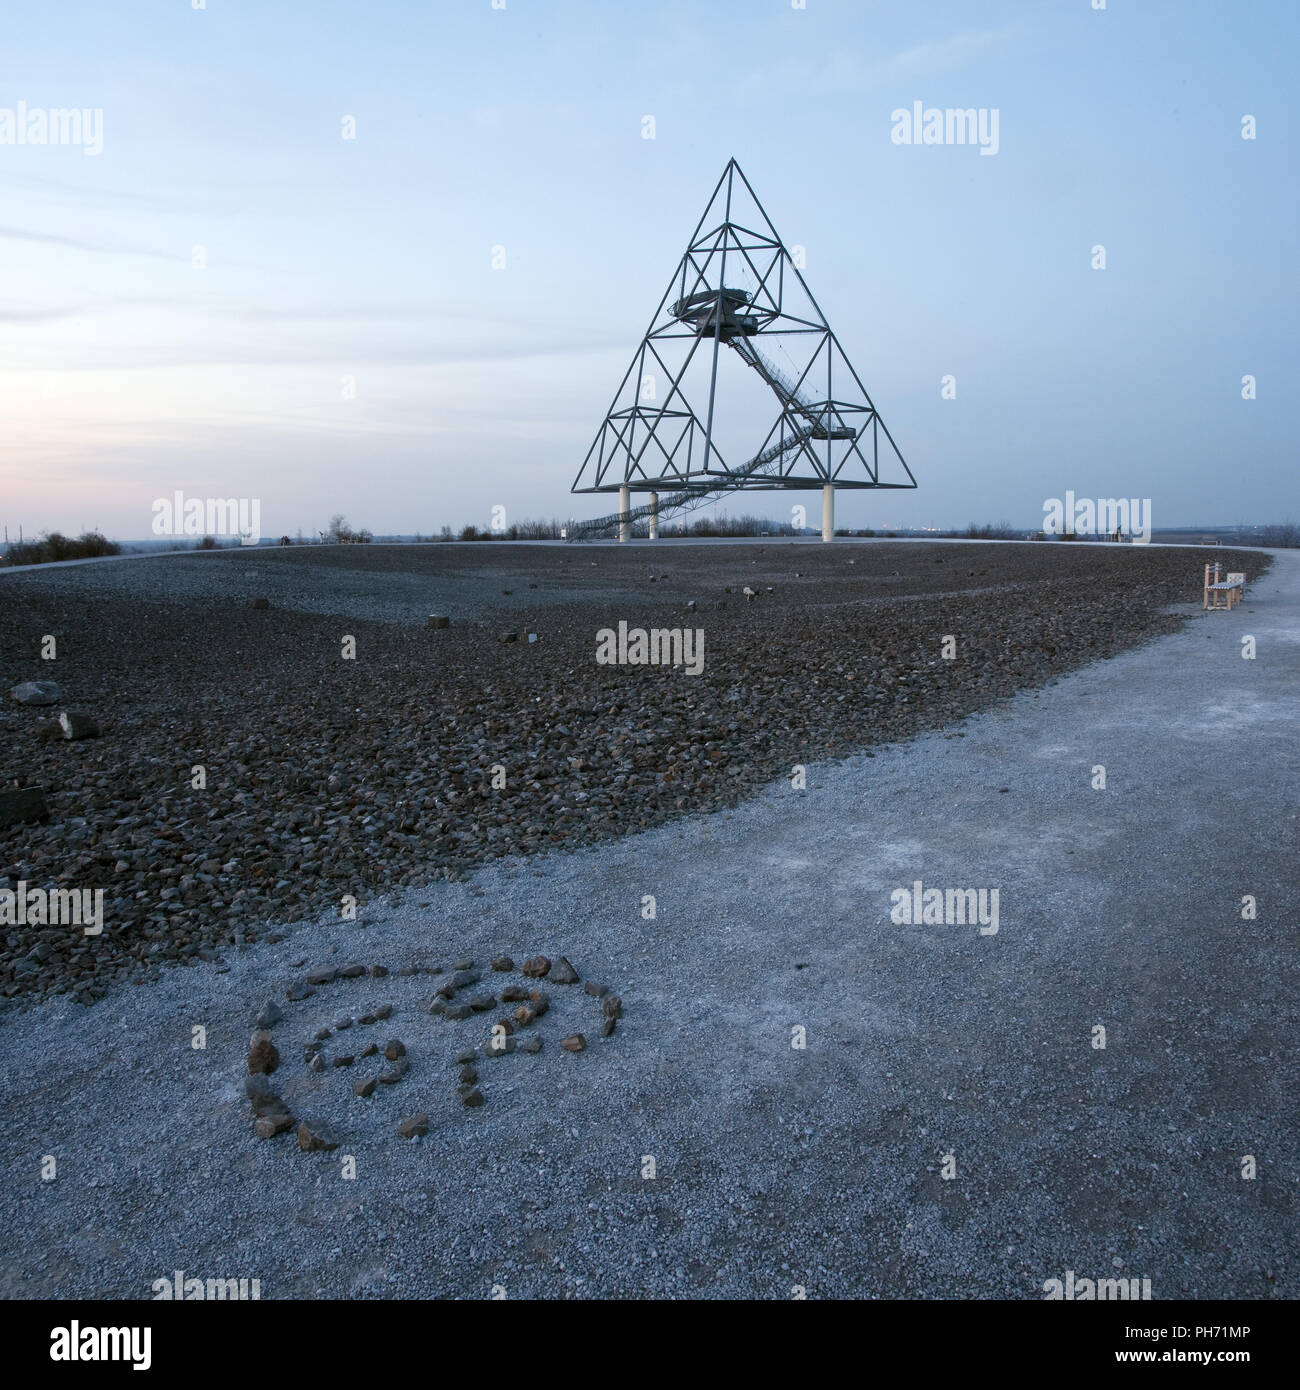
[818, 437]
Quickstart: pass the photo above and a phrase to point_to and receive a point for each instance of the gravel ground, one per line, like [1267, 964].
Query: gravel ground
[775, 1167]
[328, 777]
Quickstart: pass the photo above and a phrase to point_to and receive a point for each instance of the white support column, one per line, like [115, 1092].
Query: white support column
[828, 513]
[624, 506]
[654, 516]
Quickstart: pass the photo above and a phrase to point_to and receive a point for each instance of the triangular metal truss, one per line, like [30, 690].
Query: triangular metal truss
[738, 286]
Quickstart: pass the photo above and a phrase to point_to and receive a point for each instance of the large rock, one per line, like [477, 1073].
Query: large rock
[537, 966]
[268, 1126]
[76, 725]
[37, 693]
[413, 1125]
[19, 804]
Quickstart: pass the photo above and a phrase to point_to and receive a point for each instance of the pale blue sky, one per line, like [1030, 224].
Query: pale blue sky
[126, 374]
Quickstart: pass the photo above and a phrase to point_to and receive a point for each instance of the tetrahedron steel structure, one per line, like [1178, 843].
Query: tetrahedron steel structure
[737, 286]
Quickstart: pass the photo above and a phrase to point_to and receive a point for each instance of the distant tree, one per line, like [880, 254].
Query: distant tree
[55, 546]
[1000, 531]
[340, 533]
[1283, 535]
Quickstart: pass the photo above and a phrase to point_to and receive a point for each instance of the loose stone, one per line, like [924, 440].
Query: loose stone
[313, 1135]
[263, 1056]
[562, 973]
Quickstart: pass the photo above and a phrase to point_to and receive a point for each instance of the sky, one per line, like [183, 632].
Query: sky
[392, 259]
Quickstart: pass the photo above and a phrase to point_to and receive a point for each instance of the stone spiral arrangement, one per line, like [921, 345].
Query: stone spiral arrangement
[461, 994]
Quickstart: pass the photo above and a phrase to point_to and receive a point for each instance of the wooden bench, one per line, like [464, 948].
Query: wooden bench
[1222, 591]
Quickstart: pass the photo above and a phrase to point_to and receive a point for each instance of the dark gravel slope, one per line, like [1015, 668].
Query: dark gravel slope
[327, 776]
